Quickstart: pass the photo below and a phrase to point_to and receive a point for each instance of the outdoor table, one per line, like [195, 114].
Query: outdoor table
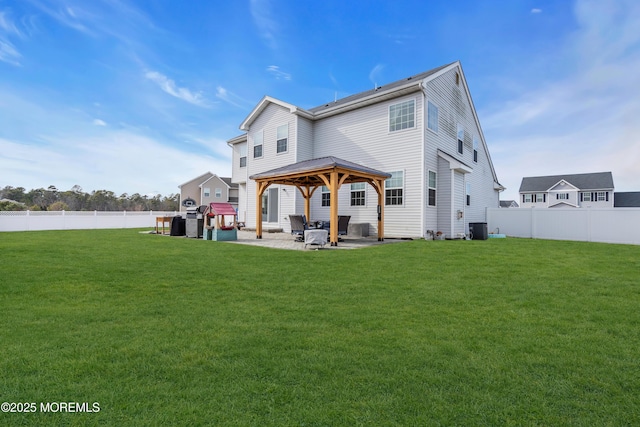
[163, 220]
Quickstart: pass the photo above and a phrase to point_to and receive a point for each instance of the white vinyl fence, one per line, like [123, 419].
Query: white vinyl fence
[61, 220]
[608, 225]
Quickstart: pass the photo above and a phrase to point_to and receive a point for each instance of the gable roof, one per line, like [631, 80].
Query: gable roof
[582, 181]
[320, 163]
[629, 199]
[200, 179]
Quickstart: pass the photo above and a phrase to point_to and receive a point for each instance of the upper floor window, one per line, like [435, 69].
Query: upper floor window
[257, 144]
[242, 151]
[432, 188]
[206, 191]
[402, 115]
[393, 188]
[282, 138]
[432, 116]
[326, 196]
[475, 149]
[357, 194]
[460, 138]
[218, 193]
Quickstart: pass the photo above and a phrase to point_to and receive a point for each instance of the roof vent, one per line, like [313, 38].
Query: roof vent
[409, 78]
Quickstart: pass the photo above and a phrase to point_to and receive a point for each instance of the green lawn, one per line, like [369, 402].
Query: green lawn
[173, 331]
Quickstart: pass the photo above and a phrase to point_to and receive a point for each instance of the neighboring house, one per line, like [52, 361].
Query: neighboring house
[422, 130]
[577, 191]
[208, 188]
[630, 199]
[508, 204]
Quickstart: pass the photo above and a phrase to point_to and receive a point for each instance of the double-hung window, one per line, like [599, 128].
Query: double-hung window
[602, 196]
[541, 197]
[432, 116]
[526, 198]
[242, 151]
[432, 188]
[475, 149]
[218, 193]
[357, 194]
[562, 196]
[326, 196]
[257, 144]
[402, 115]
[282, 139]
[394, 187]
[585, 197]
[460, 138]
[468, 194]
[207, 192]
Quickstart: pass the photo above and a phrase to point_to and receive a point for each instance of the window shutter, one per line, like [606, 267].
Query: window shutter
[544, 197]
[557, 196]
[607, 195]
[581, 196]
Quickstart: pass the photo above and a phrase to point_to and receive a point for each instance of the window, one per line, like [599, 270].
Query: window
[468, 194]
[402, 116]
[526, 198]
[257, 145]
[475, 149]
[357, 194]
[243, 155]
[432, 116]
[585, 197]
[282, 138]
[460, 138]
[207, 192]
[603, 196]
[432, 188]
[541, 197]
[218, 193]
[326, 196]
[562, 196]
[393, 188]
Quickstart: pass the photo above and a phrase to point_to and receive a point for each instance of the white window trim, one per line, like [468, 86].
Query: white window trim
[460, 142]
[436, 131]
[364, 189]
[415, 116]
[404, 193]
[435, 204]
[287, 150]
[261, 133]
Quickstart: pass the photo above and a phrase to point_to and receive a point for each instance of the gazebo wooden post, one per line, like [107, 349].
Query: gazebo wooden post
[334, 208]
[380, 190]
[260, 187]
[307, 203]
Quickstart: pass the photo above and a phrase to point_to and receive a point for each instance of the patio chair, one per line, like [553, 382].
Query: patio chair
[298, 225]
[343, 225]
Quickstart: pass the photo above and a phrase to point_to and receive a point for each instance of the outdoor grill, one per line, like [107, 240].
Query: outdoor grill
[195, 221]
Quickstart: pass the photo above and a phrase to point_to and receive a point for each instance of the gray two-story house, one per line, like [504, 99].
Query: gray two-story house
[423, 131]
[583, 190]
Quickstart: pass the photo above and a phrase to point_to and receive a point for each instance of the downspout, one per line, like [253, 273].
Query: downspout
[423, 138]
[453, 203]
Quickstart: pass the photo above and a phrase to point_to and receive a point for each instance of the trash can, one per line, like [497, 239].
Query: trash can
[478, 230]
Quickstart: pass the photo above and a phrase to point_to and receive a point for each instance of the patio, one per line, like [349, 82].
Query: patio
[287, 241]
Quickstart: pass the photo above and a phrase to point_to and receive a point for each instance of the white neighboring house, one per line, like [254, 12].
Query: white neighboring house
[584, 190]
[423, 130]
[208, 188]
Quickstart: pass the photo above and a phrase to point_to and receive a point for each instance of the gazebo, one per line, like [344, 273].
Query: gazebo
[308, 175]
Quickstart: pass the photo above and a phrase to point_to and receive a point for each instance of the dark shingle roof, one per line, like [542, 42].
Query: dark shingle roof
[583, 181]
[630, 199]
[416, 78]
[229, 183]
[315, 164]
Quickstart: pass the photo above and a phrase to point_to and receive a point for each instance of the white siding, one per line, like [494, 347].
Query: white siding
[239, 174]
[362, 136]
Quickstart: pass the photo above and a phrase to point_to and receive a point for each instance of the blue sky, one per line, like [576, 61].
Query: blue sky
[140, 96]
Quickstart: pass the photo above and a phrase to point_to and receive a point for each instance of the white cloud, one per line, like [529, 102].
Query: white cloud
[275, 71]
[99, 122]
[267, 26]
[375, 74]
[8, 51]
[536, 10]
[231, 98]
[585, 121]
[170, 87]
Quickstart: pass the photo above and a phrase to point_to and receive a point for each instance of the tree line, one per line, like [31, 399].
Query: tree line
[50, 199]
